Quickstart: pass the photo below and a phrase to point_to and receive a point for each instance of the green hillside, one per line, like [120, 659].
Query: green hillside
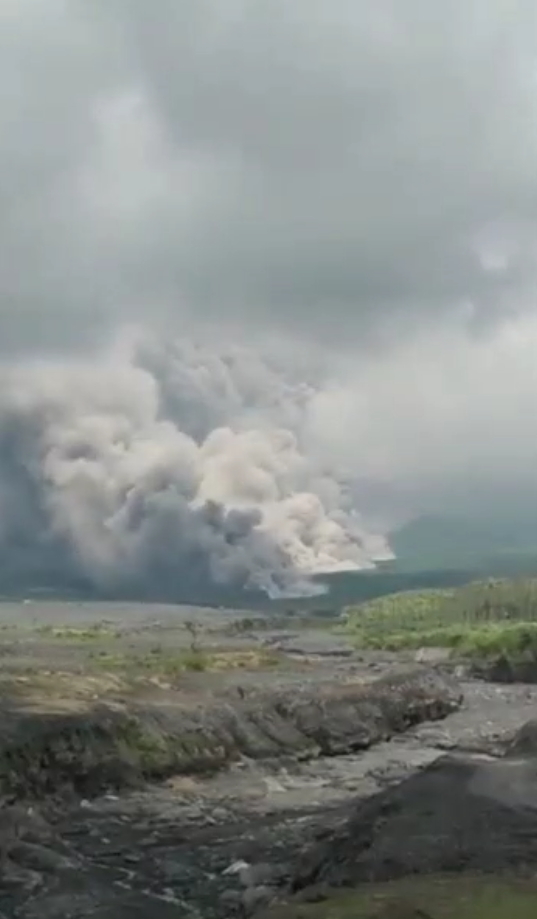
[484, 617]
[490, 541]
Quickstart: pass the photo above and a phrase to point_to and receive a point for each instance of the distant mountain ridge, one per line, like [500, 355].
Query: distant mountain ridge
[447, 541]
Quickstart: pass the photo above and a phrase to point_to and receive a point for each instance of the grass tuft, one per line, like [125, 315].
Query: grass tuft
[455, 897]
[159, 662]
[96, 632]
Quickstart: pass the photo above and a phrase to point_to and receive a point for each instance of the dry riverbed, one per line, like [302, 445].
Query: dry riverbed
[81, 835]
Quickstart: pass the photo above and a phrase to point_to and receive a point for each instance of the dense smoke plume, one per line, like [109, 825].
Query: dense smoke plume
[164, 472]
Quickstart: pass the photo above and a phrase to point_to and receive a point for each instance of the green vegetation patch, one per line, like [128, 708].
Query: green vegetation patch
[482, 619]
[159, 662]
[456, 897]
[97, 632]
[155, 662]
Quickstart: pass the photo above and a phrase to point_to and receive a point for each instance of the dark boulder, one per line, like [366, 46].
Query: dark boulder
[524, 742]
[505, 669]
[459, 814]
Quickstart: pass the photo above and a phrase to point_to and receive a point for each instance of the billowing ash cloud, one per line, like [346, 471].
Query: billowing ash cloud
[162, 481]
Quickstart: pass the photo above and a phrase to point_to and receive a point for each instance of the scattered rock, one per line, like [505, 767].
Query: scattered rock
[236, 867]
[315, 893]
[259, 874]
[503, 669]
[524, 742]
[41, 858]
[255, 897]
[231, 899]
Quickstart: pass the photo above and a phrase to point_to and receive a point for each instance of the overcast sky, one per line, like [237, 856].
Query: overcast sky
[344, 168]
[353, 178]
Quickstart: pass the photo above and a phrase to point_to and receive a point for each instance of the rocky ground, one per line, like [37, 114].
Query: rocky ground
[257, 826]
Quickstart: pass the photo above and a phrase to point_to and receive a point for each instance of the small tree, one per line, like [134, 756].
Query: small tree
[193, 630]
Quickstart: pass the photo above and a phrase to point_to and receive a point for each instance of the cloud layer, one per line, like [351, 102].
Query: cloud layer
[338, 171]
